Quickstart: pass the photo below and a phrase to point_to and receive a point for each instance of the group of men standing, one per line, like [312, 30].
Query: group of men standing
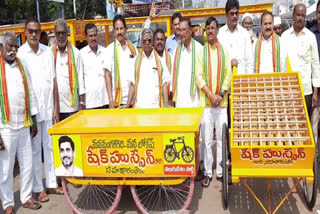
[45, 85]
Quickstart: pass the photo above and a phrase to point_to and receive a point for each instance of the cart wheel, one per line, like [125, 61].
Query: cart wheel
[91, 198]
[310, 190]
[169, 154]
[160, 198]
[225, 166]
[187, 154]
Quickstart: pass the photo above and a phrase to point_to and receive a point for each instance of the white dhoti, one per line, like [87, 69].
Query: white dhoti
[43, 139]
[213, 117]
[16, 142]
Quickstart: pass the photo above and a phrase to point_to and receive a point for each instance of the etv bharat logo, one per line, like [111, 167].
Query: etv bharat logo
[179, 157]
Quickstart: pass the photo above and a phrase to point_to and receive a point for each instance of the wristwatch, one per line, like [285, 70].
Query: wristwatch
[221, 94]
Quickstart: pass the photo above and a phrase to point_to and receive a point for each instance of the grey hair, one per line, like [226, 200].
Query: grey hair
[4, 35]
[60, 22]
[146, 31]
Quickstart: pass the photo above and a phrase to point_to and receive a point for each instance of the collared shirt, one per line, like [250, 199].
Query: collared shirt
[227, 79]
[16, 97]
[184, 100]
[62, 74]
[238, 44]
[148, 88]
[302, 50]
[62, 171]
[266, 57]
[41, 71]
[94, 76]
[172, 43]
[316, 32]
[126, 69]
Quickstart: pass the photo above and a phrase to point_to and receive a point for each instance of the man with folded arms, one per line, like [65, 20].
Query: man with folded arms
[150, 76]
[214, 82]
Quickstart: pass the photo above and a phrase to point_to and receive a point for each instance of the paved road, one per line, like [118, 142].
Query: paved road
[205, 200]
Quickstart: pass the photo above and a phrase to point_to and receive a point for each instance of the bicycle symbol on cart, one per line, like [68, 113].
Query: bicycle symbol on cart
[171, 153]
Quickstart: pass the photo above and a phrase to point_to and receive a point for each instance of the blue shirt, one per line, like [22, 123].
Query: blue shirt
[172, 43]
[314, 29]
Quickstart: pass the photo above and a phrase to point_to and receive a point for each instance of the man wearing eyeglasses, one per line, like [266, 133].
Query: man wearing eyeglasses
[236, 39]
[187, 62]
[37, 58]
[150, 76]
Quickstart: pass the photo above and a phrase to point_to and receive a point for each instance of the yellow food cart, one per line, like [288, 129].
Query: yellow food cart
[155, 151]
[270, 135]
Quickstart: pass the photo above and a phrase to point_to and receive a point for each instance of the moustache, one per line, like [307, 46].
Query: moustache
[11, 53]
[65, 157]
[34, 38]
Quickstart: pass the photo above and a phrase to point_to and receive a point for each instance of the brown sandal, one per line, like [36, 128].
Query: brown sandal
[32, 204]
[206, 181]
[57, 190]
[43, 197]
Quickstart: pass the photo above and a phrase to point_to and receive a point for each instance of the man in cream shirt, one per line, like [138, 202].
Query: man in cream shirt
[93, 57]
[300, 46]
[236, 40]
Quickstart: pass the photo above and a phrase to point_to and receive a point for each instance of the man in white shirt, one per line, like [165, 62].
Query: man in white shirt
[277, 26]
[188, 61]
[69, 73]
[236, 40]
[300, 46]
[173, 41]
[247, 23]
[38, 60]
[119, 65]
[150, 76]
[17, 115]
[268, 57]
[93, 57]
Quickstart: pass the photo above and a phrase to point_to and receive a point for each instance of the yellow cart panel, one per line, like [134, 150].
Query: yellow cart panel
[270, 136]
[128, 143]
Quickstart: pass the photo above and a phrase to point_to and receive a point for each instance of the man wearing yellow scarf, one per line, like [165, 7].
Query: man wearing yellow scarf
[119, 65]
[187, 62]
[268, 58]
[150, 76]
[214, 82]
[18, 110]
[69, 72]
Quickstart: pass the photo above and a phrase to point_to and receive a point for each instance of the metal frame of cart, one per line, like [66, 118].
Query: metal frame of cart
[155, 151]
[270, 135]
